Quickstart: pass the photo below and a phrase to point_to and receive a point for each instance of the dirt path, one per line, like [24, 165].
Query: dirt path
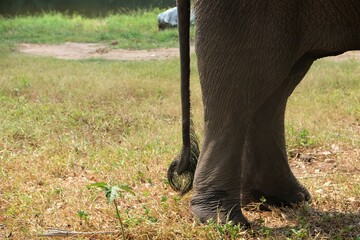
[93, 50]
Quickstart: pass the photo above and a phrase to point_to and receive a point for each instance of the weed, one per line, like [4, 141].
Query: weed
[303, 138]
[228, 230]
[299, 138]
[163, 201]
[265, 231]
[299, 233]
[112, 193]
[83, 215]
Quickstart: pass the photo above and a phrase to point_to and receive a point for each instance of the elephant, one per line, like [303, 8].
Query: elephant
[250, 57]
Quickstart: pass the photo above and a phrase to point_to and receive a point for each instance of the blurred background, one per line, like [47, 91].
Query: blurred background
[88, 8]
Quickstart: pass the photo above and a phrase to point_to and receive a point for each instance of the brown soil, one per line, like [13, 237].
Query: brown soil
[94, 50]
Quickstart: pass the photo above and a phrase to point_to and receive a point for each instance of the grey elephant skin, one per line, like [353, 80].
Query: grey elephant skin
[251, 55]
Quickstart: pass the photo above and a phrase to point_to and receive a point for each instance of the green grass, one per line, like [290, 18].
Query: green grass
[326, 107]
[135, 30]
[67, 124]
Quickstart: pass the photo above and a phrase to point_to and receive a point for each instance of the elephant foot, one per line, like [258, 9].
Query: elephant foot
[290, 195]
[217, 206]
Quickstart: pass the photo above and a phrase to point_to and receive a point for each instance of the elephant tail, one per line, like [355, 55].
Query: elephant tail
[184, 165]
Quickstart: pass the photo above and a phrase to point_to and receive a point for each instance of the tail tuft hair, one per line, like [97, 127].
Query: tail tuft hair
[183, 182]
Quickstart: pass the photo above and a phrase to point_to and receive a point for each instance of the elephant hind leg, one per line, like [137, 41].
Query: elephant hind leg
[265, 169]
[217, 177]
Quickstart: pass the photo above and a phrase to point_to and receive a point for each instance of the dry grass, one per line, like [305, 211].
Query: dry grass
[67, 124]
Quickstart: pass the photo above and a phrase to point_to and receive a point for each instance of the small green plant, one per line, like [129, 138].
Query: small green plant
[163, 201]
[265, 231]
[220, 231]
[263, 200]
[148, 216]
[83, 215]
[303, 138]
[112, 193]
[299, 233]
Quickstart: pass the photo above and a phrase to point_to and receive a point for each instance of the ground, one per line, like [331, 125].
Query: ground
[94, 50]
[331, 172]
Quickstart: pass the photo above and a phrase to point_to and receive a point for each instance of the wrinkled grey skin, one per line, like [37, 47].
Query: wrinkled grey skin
[251, 55]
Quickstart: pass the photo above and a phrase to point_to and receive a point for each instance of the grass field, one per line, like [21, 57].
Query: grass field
[66, 124]
[136, 30]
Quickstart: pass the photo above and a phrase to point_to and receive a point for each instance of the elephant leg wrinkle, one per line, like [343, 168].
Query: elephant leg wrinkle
[217, 178]
[217, 206]
[265, 169]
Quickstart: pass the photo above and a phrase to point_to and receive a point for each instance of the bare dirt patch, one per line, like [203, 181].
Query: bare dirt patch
[94, 50]
[76, 51]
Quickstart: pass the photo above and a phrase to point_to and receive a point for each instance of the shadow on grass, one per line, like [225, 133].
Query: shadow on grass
[313, 224]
